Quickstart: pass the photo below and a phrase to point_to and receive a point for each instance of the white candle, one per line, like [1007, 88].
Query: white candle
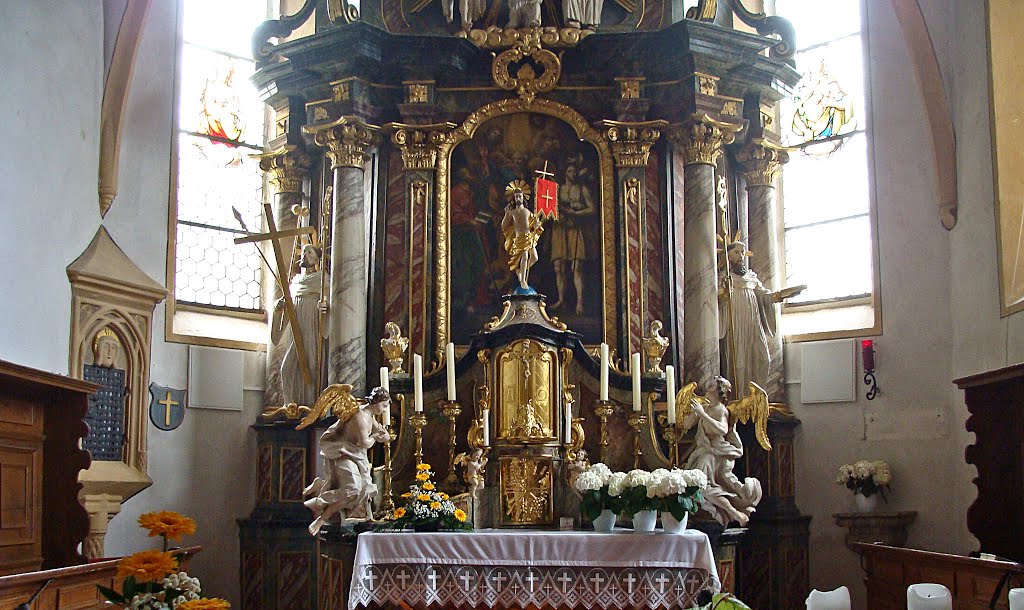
[604, 371]
[929, 596]
[670, 391]
[449, 358]
[485, 416]
[1016, 599]
[386, 384]
[568, 425]
[417, 371]
[635, 370]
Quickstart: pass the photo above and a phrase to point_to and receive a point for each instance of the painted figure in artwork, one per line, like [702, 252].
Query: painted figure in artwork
[468, 255]
[523, 14]
[309, 307]
[346, 487]
[568, 250]
[522, 229]
[582, 13]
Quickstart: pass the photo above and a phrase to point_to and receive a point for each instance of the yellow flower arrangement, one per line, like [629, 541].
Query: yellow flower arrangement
[147, 566]
[422, 476]
[399, 512]
[435, 506]
[426, 508]
[428, 486]
[443, 495]
[167, 523]
[213, 603]
[460, 515]
[407, 494]
[423, 497]
[422, 467]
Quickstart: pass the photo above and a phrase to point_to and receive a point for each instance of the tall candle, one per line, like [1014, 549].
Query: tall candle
[604, 371]
[568, 425]
[635, 370]
[929, 596]
[670, 391]
[449, 358]
[386, 384]
[417, 372]
[485, 416]
[1016, 599]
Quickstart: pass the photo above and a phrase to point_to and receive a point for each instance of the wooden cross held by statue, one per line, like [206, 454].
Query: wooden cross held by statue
[273, 236]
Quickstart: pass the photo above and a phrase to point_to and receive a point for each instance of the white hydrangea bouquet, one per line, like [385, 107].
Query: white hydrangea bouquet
[865, 477]
[676, 491]
[592, 485]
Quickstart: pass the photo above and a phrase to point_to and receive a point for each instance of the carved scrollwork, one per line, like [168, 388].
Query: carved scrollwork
[419, 143]
[631, 142]
[527, 82]
[288, 166]
[347, 140]
[759, 161]
[701, 138]
[551, 37]
[263, 50]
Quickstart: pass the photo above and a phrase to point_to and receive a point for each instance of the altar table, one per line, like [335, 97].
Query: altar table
[519, 569]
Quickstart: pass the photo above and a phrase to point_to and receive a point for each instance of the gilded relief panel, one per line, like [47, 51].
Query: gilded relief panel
[526, 490]
[526, 401]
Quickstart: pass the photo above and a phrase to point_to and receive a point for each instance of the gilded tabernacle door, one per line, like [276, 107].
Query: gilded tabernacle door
[526, 378]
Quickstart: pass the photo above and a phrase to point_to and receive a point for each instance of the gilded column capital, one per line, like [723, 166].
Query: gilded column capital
[701, 138]
[347, 140]
[288, 166]
[759, 161]
[419, 144]
[631, 142]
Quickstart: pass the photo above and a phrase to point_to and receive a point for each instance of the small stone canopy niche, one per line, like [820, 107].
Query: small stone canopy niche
[112, 303]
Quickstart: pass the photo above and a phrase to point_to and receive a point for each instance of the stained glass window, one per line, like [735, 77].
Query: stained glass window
[220, 123]
[826, 200]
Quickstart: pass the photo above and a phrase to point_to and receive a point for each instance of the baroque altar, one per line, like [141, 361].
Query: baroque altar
[398, 128]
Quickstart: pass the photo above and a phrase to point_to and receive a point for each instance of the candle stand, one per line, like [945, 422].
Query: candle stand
[673, 433]
[603, 409]
[637, 421]
[418, 421]
[388, 504]
[451, 410]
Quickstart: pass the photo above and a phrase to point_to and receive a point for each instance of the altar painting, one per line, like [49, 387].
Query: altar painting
[569, 272]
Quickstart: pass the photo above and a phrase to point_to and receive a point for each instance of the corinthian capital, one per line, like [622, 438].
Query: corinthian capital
[419, 144]
[288, 166]
[701, 138]
[347, 140]
[759, 161]
[631, 142]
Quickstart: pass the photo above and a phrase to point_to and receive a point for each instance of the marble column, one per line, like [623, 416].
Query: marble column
[288, 169]
[700, 141]
[759, 162]
[348, 141]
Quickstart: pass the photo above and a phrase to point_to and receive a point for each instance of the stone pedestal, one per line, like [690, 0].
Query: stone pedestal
[889, 528]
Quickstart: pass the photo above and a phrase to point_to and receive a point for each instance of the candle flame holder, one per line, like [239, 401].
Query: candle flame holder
[418, 421]
[604, 409]
[637, 421]
[451, 410]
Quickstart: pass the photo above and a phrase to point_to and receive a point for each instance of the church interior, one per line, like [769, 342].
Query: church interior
[271, 263]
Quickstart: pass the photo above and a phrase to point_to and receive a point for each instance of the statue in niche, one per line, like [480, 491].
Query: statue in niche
[306, 289]
[526, 424]
[522, 229]
[568, 251]
[346, 488]
[474, 464]
[748, 316]
[469, 11]
[717, 446]
[106, 407]
[582, 13]
[523, 14]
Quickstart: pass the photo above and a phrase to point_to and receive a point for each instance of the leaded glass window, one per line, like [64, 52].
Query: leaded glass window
[826, 195]
[220, 122]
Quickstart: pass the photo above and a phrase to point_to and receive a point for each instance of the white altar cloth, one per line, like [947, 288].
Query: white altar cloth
[517, 568]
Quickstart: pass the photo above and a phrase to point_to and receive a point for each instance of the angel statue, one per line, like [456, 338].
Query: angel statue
[474, 463]
[521, 229]
[346, 487]
[718, 445]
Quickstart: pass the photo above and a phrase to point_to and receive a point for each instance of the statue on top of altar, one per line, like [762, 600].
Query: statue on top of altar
[522, 229]
[306, 290]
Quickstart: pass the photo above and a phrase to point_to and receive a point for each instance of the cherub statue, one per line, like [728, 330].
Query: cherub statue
[522, 229]
[575, 466]
[474, 464]
[346, 487]
[718, 446]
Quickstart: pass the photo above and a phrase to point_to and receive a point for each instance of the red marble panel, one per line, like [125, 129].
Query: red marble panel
[797, 576]
[396, 248]
[264, 473]
[756, 577]
[632, 203]
[293, 473]
[252, 580]
[654, 243]
[293, 580]
[785, 465]
[676, 248]
[727, 574]
[417, 277]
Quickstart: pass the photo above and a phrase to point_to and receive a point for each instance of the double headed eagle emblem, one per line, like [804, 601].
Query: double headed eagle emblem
[753, 407]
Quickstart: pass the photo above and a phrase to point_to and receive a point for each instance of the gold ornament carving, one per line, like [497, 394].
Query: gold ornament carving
[418, 193]
[526, 497]
[526, 382]
[707, 85]
[394, 345]
[341, 91]
[629, 88]
[701, 138]
[731, 109]
[631, 194]
[288, 166]
[347, 140]
[416, 93]
[526, 82]
[655, 347]
[631, 142]
[551, 37]
[419, 144]
[759, 161]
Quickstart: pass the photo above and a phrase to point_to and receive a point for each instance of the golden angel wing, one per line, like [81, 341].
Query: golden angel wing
[753, 407]
[683, 401]
[337, 399]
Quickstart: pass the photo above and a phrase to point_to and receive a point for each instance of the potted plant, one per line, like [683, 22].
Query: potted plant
[677, 494]
[867, 480]
[596, 502]
[426, 509]
[636, 502]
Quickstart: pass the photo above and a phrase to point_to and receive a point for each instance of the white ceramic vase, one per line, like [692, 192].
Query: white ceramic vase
[865, 504]
[605, 522]
[673, 526]
[644, 520]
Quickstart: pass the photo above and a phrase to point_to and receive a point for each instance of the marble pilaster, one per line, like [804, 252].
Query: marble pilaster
[348, 141]
[288, 169]
[759, 164]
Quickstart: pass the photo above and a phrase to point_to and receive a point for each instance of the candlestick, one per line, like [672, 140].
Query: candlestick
[485, 415]
[672, 435]
[418, 421]
[670, 394]
[451, 410]
[388, 504]
[604, 372]
[1016, 599]
[635, 370]
[637, 421]
[449, 358]
[603, 409]
[385, 384]
[417, 371]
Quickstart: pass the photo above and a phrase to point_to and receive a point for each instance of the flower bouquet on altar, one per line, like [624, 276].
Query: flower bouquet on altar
[426, 509]
[596, 502]
[677, 494]
[153, 580]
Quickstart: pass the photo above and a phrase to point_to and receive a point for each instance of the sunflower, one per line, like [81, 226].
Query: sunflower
[443, 495]
[428, 486]
[460, 515]
[423, 498]
[422, 476]
[399, 513]
[212, 603]
[435, 506]
[147, 566]
[167, 523]
[423, 466]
